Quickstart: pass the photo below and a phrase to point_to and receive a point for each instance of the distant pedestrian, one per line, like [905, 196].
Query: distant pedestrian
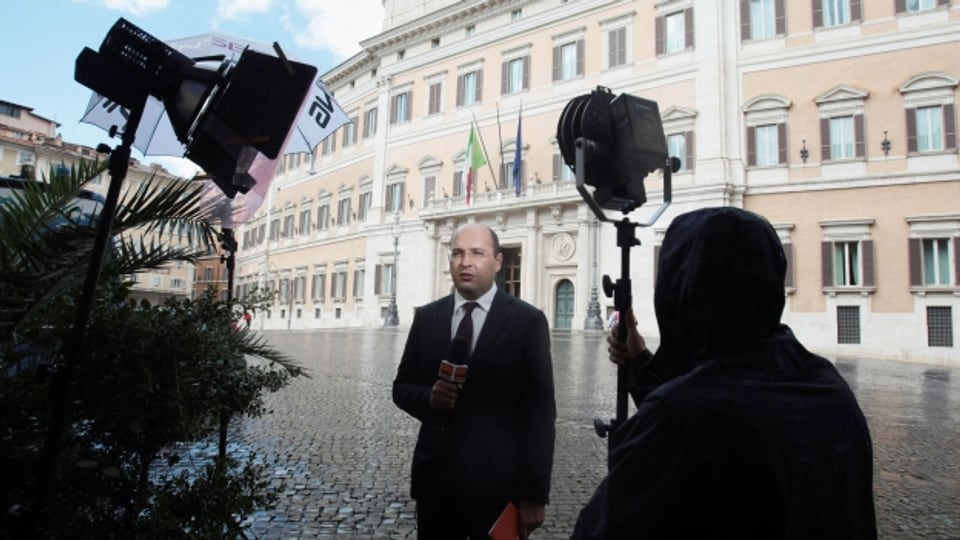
[247, 317]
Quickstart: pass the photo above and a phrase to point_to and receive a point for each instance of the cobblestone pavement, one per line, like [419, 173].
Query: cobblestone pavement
[340, 450]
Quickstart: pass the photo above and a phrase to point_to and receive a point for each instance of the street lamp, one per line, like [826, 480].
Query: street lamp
[392, 318]
[594, 320]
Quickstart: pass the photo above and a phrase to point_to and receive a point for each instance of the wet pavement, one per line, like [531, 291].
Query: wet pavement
[339, 450]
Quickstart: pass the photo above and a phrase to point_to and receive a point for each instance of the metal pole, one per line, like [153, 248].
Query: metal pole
[64, 385]
[229, 244]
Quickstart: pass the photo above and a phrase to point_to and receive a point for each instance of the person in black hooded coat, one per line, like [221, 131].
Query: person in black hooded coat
[739, 432]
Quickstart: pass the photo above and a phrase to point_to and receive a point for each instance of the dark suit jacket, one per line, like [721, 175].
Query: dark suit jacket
[497, 443]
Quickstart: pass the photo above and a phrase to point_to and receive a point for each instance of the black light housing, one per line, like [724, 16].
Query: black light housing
[622, 141]
[224, 115]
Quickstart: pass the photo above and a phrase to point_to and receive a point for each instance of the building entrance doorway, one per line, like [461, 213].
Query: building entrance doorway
[564, 302]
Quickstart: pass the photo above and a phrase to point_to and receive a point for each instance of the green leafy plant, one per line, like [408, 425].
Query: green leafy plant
[152, 377]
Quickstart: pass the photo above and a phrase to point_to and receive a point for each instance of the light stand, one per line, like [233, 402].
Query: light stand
[229, 244]
[64, 384]
[612, 143]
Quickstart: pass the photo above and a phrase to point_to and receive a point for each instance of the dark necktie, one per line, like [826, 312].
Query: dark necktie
[465, 330]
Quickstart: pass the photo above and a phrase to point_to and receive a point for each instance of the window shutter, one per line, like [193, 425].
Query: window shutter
[911, 130]
[526, 72]
[611, 48]
[826, 263]
[691, 153]
[434, 105]
[356, 279]
[817, 13]
[744, 20]
[901, 5]
[956, 260]
[856, 13]
[459, 90]
[479, 85]
[333, 285]
[869, 266]
[915, 256]
[688, 23]
[556, 63]
[825, 139]
[858, 136]
[580, 54]
[393, 109]
[503, 176]
[389, 201]
[788, 255]
[751, 146]
[403, 187]
[457, 182]
[409, 106]
[504, 78]
[557, 163]
[779, 12]
[781, 143]
[659, 36]
[949, 127]
[377, 278]
[943, 2]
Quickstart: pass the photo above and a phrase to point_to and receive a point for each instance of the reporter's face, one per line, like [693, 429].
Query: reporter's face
[473, 263]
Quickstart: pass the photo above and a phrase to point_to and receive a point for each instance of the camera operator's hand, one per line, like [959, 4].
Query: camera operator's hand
[443, 395]
[621, 351]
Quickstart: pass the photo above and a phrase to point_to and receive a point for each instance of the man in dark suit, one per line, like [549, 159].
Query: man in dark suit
[489, 440]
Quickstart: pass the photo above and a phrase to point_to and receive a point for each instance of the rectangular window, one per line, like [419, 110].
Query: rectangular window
[515, 78]
[939, 326]
[350, 132]
[358, 277]
[468, 88]
[469, 30]
[936, 261]
[394, 202]
[848, 324]
[930, 129]
[429, 189]
[568, 61]
[762, 19]
[327, 147]
[339, 285]
[343, 212]
[299, 288]
[920, 5]
[616, 47]
[389, 279]
[319, 287]
[363, 208]
[677, 146]
[836, 12]
[323, 217]
[675, 33]
[288, 226]
[177, 283]
[370, 123]
[768, 145]
[842, 138]
[305, 222]
[433, 106]
[846, 264]
[400, 114]
[275, 229]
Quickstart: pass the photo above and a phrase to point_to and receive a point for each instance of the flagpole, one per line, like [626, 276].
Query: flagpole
[484, 145]
[500, 137]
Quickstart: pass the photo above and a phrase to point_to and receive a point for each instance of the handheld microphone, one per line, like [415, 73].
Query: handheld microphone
[454, 367]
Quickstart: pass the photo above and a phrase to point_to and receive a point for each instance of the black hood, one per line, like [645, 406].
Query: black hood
[720, 283]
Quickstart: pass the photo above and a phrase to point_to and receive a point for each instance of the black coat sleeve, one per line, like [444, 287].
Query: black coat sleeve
[411, 387]
[540, 413]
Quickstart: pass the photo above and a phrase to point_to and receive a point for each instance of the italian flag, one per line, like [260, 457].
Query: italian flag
[473, 160]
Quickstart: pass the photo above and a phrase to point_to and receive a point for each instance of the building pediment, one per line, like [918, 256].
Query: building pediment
[767, 102]
[842, 93]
